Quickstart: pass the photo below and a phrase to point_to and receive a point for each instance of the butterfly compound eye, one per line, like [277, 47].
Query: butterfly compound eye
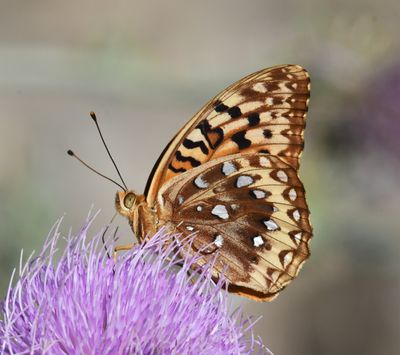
[129, 200]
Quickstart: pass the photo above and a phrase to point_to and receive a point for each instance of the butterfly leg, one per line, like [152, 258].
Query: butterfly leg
[122, 247]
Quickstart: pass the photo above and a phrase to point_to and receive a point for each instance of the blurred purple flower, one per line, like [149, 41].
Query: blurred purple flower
[143, 304]
[368, 122]
[382, 110]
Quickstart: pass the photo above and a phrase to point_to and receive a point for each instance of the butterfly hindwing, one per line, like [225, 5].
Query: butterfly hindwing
[263, 112]
[251, 209]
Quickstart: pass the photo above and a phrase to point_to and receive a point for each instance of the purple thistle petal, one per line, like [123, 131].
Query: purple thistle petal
[143, 304]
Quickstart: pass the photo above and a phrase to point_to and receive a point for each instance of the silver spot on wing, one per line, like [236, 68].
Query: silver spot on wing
[259, 194]
[200, 183]
[244, 180]
[220, 211]
[282, 176]
[258, 241]
[271, 224]
[219, 240]
[228, 168]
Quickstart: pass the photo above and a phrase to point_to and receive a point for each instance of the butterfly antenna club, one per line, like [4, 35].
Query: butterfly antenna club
[94, 118]
[72, 154]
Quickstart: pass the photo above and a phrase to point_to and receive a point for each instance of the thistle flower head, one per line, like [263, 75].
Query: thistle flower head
[84, 303]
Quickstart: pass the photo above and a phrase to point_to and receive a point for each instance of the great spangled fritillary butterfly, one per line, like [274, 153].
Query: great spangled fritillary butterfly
[229, 177]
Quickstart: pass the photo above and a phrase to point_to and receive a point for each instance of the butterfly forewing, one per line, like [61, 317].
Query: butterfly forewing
[263, 112]
[230, 176]
[251, 210]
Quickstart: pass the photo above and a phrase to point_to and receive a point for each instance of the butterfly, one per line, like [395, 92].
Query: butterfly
[229, 178]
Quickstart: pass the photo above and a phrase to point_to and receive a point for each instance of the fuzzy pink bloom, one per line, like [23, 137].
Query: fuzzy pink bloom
[144, 304]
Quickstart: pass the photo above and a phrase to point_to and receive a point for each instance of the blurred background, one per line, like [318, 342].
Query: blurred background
[146, 67]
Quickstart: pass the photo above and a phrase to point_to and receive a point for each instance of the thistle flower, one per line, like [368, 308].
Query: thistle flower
[84, 303]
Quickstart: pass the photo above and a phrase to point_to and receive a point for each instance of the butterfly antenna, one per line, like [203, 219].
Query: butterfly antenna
[72, 154]
[94, 118]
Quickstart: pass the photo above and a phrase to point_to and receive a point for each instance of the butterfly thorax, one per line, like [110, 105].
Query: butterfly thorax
[142, 219]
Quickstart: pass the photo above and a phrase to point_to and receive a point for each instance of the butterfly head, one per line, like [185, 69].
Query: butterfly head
[126, 202]
[135, 208]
